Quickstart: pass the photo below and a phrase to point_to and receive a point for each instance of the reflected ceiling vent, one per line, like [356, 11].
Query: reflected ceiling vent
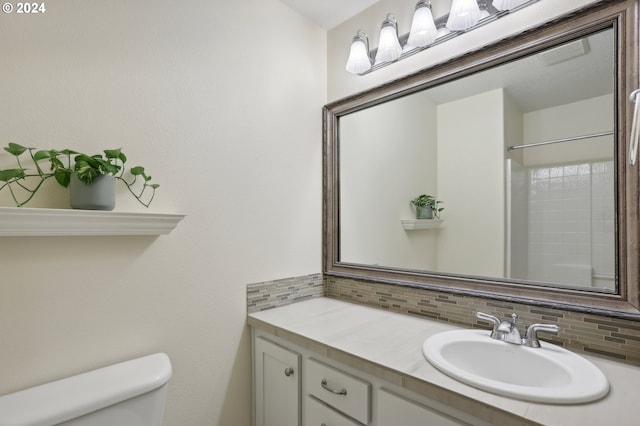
[564, 52]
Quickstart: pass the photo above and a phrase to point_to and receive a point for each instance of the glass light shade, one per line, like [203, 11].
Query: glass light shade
[423, 29]
[464, 14]
[359, 60]
[389, 48]
[508, 4]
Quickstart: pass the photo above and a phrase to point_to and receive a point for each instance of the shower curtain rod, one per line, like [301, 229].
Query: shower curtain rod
[575, 138]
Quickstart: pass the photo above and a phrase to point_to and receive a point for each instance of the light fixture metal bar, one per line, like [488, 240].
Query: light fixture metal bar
[571, 139]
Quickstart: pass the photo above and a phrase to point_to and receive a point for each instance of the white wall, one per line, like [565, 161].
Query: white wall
[471, 185]
[228, 122]
[387, 158]
[584, 117]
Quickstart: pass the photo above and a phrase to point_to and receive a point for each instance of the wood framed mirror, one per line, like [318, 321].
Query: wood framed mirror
[526, 143]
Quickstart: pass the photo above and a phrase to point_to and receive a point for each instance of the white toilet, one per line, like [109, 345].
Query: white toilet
[130, 393]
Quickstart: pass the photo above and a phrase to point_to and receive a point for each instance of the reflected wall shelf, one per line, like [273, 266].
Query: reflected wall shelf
[20, 221]
[411, 224]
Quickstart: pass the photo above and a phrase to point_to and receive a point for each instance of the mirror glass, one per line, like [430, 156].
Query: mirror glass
[522, 158]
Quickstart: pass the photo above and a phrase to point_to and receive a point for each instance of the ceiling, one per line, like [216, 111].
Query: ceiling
[534, 86]
[328, 13]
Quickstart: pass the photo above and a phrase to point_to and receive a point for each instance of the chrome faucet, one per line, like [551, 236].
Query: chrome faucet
[507, 331]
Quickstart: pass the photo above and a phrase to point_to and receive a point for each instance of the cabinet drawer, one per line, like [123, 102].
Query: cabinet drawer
[318, 414]
[340, 390]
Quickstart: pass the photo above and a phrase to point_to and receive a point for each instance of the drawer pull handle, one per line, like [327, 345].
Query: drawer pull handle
[288, 371]
[342, 391]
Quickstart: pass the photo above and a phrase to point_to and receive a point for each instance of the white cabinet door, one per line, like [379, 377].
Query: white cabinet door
[277, 385]
[397, 411]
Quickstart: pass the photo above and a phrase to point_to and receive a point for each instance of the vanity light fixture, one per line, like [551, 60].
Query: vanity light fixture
[389, 48]
[484, 9]
[423, 28]
[442, 30]
[359, 60]
[508, 4]
[426, 31]
[464, 15]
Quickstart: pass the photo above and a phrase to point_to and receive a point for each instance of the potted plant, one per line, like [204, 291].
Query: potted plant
[427, 207]
[89, 176]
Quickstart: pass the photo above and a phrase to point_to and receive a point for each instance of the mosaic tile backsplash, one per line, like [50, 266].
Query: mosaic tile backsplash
[612, 338]
[272, 294]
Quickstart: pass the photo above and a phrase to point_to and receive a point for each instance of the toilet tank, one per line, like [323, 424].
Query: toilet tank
[129, 393]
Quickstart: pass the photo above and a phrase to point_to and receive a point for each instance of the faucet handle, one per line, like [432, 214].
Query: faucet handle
[531, 336]
[490, 318]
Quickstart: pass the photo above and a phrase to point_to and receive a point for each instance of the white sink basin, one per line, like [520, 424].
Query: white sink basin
[549, 374]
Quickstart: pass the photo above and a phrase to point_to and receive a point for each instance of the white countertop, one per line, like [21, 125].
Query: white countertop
[394, 341]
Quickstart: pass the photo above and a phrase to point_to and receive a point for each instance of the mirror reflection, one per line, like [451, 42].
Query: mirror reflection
[521, 157]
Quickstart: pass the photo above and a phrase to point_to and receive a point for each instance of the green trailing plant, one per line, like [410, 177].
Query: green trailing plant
[63, 164]
[425, 200]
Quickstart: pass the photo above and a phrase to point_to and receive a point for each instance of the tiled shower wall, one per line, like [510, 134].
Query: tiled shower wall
[571, 224]
[617, 339]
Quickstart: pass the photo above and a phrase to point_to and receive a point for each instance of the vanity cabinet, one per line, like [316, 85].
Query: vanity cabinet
[276, 372]
[316, 413]
[323, 392]
[393, 409]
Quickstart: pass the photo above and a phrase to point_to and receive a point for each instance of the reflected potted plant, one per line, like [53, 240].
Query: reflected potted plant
[427, 207]
[90, 179]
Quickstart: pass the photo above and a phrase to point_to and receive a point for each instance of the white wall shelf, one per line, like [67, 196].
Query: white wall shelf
[20, 221]
[411, 224]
